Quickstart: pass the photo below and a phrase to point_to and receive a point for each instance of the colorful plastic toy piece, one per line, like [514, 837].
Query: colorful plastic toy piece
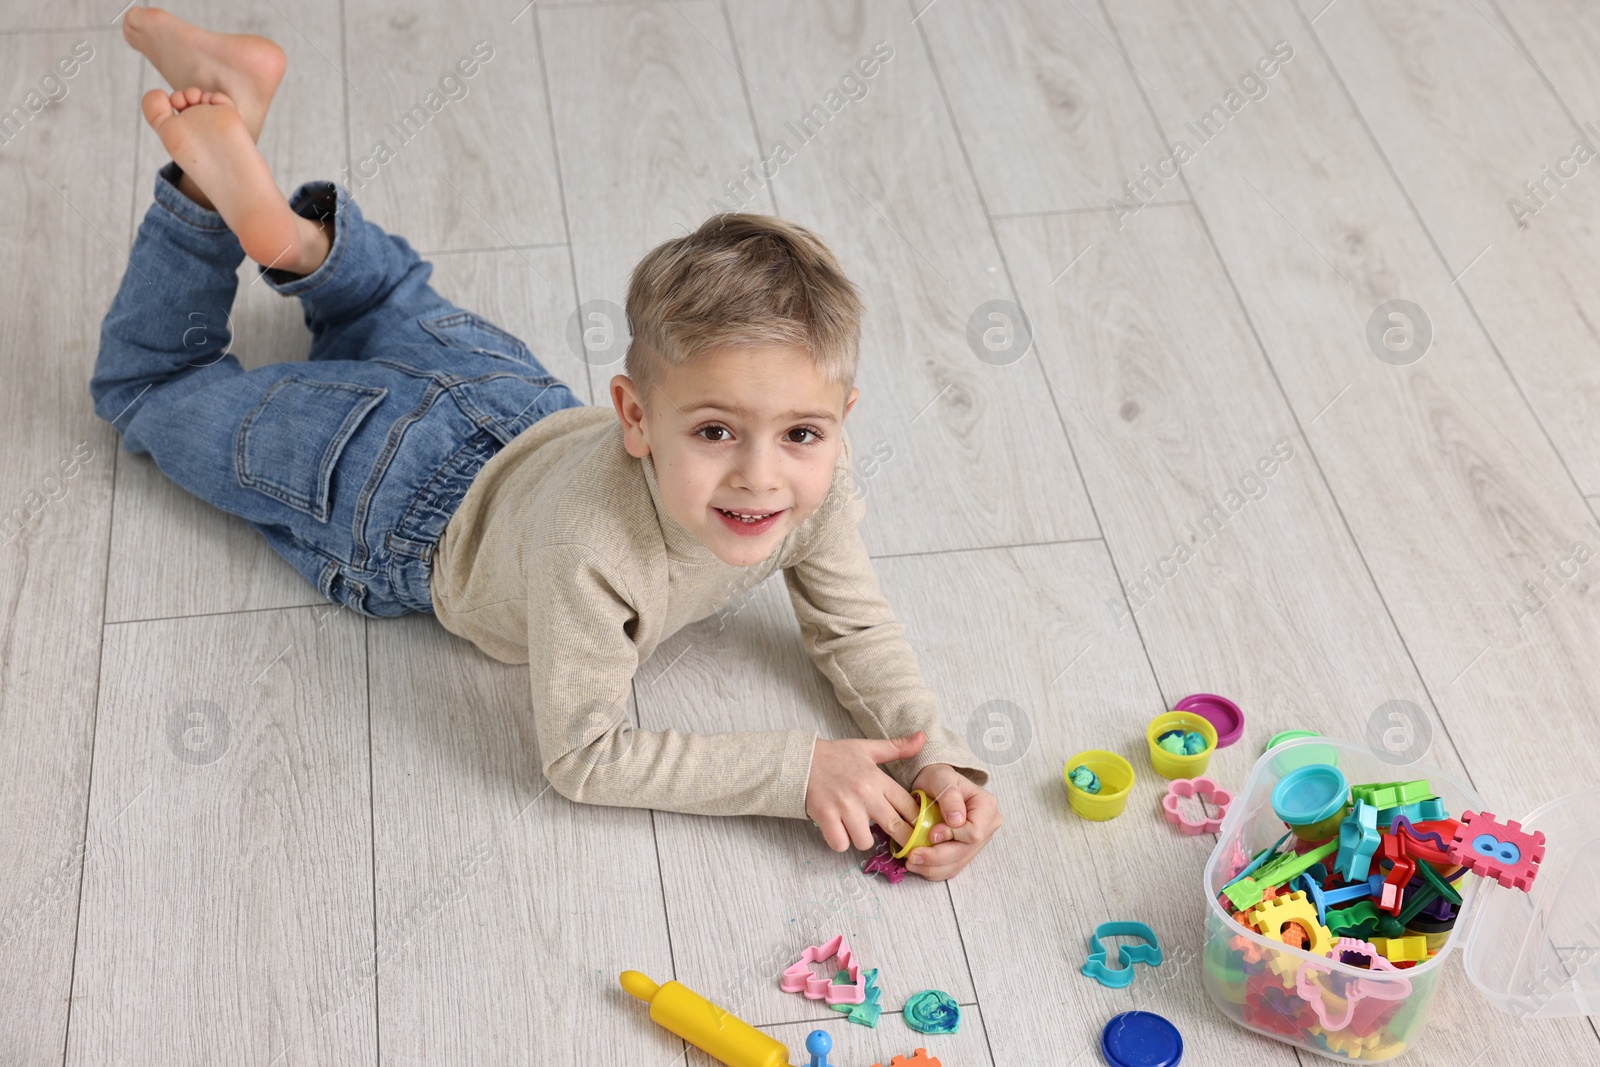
[920, 1058]
[1270, 1007]
[1119, 977]
[1255, 864]
[799, 978]
[1358, 920]
[1428, 840]
[1140, 1039]
[1392, 794]
[928, 816]
[1314, 892]
[1270, 917]
[1410, 949]
[1358, 842]
[819, 1043]
[1287, 865]
[1391, 892]
[1220, 712]
[1502, 851]
[1348, 1045]
[932, 1011]
[869, 1010]
[1313, 992]
[1440, 886]
[1206, 792]
[713, 1030]
[1422, 811]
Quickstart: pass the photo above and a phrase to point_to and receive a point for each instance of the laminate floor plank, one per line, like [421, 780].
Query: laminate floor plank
[505, 912]
[227, 879]
[1481, 145]
[64, 195]
[950, 394]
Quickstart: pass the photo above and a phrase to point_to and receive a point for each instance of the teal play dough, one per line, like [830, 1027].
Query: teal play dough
[1180, 743]
[932, 1011]
[1085, 779]
[867, 1012]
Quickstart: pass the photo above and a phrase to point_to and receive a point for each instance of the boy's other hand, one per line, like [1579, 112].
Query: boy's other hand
[971, 816]
[848, 792]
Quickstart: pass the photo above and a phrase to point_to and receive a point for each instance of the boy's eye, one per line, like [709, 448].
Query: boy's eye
[702, 431]
[815, 436]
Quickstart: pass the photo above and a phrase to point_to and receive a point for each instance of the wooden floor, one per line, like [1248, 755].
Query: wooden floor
[237, 826]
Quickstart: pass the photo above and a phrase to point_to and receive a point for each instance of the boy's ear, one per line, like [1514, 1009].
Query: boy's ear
[625, 398]
[850, 403]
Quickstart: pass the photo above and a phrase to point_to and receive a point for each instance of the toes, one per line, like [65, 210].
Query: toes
[193, 94]
[157, 108]
[220, 97]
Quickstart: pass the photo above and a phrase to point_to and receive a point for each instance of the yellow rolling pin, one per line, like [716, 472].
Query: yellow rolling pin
[713, 1030]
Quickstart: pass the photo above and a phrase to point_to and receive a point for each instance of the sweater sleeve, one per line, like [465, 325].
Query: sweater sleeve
[581, 663]
[851, 634]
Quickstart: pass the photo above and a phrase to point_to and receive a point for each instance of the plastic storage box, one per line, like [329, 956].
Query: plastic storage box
[1530, 954]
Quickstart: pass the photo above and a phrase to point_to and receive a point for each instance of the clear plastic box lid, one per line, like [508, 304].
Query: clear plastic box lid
[1537, 954]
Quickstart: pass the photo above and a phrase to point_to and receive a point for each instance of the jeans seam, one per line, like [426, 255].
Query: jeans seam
[391, 448]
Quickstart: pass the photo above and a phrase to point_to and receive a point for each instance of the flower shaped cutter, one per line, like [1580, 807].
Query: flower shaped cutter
[1202, 789]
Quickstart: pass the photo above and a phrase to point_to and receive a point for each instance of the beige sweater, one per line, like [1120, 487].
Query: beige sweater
[563, 557]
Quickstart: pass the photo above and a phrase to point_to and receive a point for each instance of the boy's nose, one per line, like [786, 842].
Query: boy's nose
[758, 470]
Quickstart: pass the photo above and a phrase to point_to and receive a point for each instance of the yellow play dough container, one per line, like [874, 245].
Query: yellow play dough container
[929, 815]
[1170, 765]
[1116, 780]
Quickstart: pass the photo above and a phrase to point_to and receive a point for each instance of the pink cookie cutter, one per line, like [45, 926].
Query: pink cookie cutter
[799, 978]
[1202, 789]
[1310, 990]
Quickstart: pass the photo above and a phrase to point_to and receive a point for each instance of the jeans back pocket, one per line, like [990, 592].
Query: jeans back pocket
[288, 445]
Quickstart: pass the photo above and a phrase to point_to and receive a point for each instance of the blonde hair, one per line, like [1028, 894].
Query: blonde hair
[741, 280]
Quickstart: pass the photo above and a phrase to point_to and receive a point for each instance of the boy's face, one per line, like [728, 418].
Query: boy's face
[749, 430]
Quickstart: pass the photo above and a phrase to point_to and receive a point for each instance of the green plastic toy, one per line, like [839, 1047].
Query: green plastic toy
[1392, 794]
[1249, 891]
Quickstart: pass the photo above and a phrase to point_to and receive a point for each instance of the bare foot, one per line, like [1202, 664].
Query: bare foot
[246, 67]
[207, 137]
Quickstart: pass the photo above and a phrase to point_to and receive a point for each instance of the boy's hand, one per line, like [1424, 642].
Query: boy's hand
[971, 816]
[848, 792]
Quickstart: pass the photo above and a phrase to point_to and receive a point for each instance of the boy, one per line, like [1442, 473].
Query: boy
[422, 459]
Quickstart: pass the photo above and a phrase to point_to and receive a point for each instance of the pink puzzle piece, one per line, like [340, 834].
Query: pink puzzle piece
[799, 978]
[1502, 851]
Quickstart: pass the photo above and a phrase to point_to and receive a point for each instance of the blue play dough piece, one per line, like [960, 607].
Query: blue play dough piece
[1141, 1039]
[1193, 743]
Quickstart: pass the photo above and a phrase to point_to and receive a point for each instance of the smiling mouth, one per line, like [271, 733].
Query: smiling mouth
[748, 517]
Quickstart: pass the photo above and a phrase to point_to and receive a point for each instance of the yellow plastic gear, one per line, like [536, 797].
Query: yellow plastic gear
[1270, 916]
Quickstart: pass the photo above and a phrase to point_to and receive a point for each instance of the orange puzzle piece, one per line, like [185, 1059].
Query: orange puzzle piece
[920, 1058]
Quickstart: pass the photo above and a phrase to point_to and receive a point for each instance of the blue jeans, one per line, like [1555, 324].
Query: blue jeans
[350, 463]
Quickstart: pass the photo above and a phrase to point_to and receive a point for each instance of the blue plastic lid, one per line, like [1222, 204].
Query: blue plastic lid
[1309, 794]
[1141, 1039]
